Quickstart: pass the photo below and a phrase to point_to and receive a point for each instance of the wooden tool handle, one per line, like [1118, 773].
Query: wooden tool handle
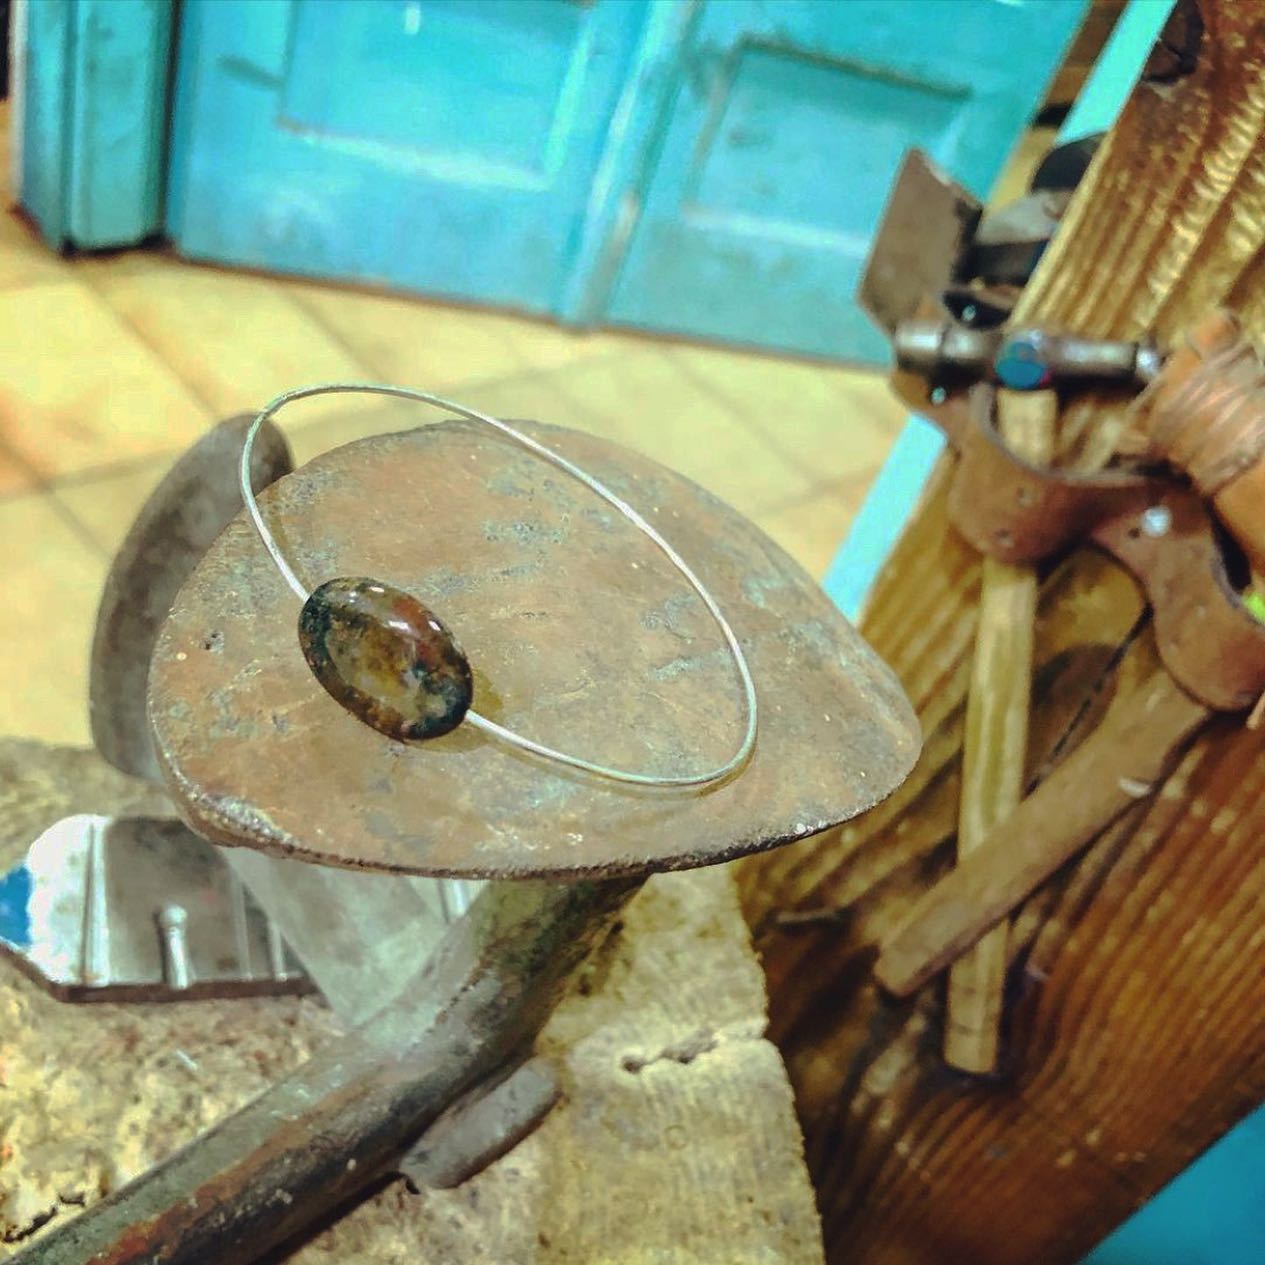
[996, 741]
[1122, 761]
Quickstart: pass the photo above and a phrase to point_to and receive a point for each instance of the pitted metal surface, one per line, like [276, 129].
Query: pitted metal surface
[580, 634]
[184, 514]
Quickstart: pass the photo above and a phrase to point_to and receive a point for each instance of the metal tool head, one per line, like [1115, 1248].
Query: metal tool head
[137, 909]
[1010, 241]
[349, 929]
[185, 513]
[580, 634]
[925, 233]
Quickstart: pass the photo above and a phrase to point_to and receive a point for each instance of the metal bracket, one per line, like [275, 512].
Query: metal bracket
[138, 909]
[482, 1127]
[935, 237]
[1159, 528]
[926, 230]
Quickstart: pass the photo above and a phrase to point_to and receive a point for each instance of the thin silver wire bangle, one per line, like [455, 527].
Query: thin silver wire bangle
[718, 774]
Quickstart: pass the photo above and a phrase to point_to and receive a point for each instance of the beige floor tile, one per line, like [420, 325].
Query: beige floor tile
[78, 388]
[811, 528]
[830, 422]
[105, 506]
[540, 344]
[434, 346]
[24, 258]
[16, 476]
[410, 342]
[236, 339]
[536, 397]
[643, 399]
[52, 587]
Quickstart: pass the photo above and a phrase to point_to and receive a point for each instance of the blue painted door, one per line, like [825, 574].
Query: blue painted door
[444, 146]
[710, 167]
[781, 146]
[94, 81]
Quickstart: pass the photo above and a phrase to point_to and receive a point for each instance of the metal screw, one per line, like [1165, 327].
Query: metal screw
[1156, 521]
[171, 921]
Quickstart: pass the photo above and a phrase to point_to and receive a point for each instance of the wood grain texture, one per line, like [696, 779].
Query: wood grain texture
[1094, 33]
[996, 741]
[677, 1139]
[1136, 1027]
[1146, 727]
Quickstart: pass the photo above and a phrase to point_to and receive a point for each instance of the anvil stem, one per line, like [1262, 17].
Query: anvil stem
[348, 1115]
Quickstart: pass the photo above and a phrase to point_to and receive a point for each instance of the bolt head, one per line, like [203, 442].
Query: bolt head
[1156, 520]
[1021, 363]
[172, 917]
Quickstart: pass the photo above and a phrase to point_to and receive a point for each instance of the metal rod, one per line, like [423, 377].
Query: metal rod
[172, 920]
[349, 1114]
[95, 953]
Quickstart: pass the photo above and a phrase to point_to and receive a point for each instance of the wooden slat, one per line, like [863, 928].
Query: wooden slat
[1137, 1004]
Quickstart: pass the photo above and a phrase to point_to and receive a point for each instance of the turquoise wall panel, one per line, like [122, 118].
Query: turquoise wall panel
[442, 146]
[95, 83]
[783, 136]
[416, 71]
[713, 167]
[47, 78]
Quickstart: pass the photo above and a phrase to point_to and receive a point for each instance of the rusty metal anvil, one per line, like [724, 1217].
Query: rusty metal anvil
[575, 632]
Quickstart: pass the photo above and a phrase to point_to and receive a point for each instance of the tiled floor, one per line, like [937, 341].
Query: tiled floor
[110, 366]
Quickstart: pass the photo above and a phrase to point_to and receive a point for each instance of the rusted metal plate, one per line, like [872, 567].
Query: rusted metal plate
[358, 934]
[186, 512]
[581, 636]
[923, 238]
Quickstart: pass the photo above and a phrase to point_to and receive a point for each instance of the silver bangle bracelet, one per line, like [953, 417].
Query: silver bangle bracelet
[393, 664]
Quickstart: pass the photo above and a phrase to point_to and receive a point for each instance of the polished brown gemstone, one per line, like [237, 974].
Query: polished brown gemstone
[386, 658]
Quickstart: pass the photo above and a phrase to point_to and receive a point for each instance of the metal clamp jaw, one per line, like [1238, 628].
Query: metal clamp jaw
[953, 350]
[1024, 359]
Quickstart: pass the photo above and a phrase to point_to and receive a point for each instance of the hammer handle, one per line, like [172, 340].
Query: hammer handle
[1126, 756]
[996, 741]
